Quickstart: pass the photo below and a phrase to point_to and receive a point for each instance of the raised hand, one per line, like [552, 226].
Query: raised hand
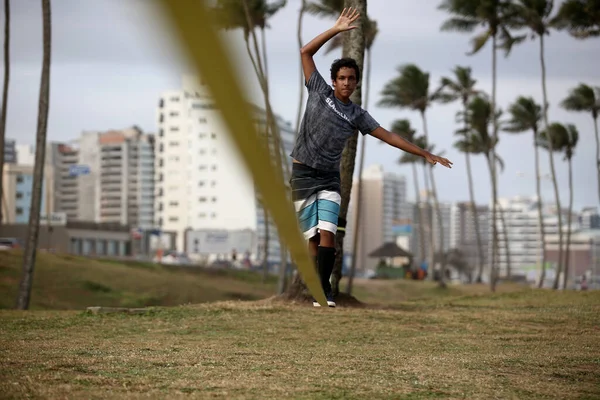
[347, 17]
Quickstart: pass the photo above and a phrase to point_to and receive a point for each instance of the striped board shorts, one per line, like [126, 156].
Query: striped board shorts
[316, 196]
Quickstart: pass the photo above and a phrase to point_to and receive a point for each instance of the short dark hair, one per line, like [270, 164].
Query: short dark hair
[344, 63]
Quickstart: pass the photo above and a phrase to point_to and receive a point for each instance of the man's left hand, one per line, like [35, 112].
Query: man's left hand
[432, 159]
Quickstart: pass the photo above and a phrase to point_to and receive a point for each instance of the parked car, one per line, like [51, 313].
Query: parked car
[174, 258]
[10, 244]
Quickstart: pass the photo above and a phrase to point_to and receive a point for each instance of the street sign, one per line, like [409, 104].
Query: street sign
[54, 219]
[78, 169]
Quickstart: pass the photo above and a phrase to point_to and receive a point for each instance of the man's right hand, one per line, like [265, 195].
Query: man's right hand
[347, 17]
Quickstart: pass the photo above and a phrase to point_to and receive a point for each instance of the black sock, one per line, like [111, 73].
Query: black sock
[326, 259]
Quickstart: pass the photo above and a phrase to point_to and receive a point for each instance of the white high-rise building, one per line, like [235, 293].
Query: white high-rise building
[523, 233]
[383, 194]
[201, 180]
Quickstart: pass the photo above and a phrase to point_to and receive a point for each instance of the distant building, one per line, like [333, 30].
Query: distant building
[589, 218]
[10, 152]
[463, 235]
[383, 194]
[201, 181]
[18, 193]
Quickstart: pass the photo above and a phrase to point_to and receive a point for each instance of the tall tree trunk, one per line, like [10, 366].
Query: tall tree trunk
[299, 37]
[568, 245]
[475, 217]
[506, 242]
[359, 205]
[436, 206]
[354, 47]
[4, 110]
[38, 170]
[552, 169]
[595, 116]
[538, 188]
[283, 267]
[421, 213]
[492, 166]
[428, 223]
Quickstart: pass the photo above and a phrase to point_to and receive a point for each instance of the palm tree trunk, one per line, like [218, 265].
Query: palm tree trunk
[354, 47]
[301, 100]
[552, 169]
[428, 224]
[282, 280]
[595, 115]
[421, 213]
[568, 245]
[361, 162]
[475, 219]
[492, 166]
[436, 207]
[4, 99]
[441, 251]
[38, 170]
[506, 242]
[540, 212]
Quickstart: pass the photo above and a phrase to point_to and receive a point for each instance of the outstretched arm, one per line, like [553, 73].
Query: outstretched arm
[310, 49]
[397, 141]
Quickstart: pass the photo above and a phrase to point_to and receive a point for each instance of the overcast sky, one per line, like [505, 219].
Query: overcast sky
[111, 59]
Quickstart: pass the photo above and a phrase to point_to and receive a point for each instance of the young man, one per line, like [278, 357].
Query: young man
[329, 120]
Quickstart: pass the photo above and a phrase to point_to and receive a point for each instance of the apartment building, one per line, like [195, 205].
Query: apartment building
[10, 152]
[523, 232]
[383, 195]
[17, 183]
[201, 181]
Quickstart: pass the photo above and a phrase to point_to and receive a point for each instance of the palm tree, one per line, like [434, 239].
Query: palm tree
[4, 98]
[402, 127]
[249, 15]
[468, 143]
[479, 115]
[586, 98]
[410, 90]
[33, 228]
[332, 9]
[526, 115]
[300, 44]
[494, 16]
[580, 17]
[463, 88]
[564, 139]
[571, 143]
[535, 15]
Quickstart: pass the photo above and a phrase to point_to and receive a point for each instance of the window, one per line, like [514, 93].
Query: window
[19, 178]
[173, 144]
[214, 199]
[19, 211]
[201, 183]
[161, 103]
[161, 118]
[202, 151]
[214, 168]
[173, 204]
[160, 206]
[213, 215]
[202, 200]
[161, 132]
[202, 120]
[174, 129]
[161, 162]
[161, 148]
[202, 215]
[173, 219]
[174, 98]
[213, 135]
[202, 135]
[174, 114]
[19, 195]
[202, 167]
[213, 183]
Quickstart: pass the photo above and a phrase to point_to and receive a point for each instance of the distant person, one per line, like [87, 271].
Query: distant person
[584, 284]
[329, 121]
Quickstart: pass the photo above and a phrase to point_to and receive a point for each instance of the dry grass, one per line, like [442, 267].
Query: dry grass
[519, 344]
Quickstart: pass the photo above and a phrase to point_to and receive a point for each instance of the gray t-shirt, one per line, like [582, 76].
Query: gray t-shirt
[327, 125]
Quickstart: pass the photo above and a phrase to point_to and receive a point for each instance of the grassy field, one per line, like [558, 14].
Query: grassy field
[412, 341]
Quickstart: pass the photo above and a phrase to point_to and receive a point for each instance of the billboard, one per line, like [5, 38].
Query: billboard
[220, 241]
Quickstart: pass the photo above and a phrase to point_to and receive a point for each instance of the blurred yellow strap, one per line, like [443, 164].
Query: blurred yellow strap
[205, 49]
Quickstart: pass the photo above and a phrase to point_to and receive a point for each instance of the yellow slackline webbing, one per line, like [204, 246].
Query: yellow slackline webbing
[205, 49]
